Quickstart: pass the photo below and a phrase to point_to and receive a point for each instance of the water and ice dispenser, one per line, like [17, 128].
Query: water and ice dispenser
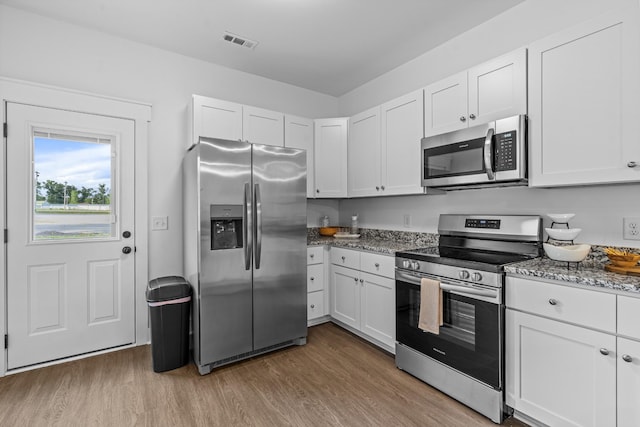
[226, 227]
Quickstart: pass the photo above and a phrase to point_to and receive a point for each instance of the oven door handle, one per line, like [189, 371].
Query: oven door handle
[469, 291]
[487, 154]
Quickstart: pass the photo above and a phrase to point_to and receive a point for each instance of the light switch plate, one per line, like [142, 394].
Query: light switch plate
[159, 223]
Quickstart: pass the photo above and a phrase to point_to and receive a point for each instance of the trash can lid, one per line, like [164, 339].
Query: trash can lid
[168, 288]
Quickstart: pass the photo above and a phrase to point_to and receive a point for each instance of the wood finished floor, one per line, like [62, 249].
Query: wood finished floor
[336, 379]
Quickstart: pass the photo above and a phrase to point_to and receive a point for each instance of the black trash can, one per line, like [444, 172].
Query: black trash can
[169, 300]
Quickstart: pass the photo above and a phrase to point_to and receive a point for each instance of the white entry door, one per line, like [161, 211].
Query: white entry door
[70, 247]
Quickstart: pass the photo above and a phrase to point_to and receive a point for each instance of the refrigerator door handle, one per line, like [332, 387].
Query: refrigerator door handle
[258, 224]
[246, 226]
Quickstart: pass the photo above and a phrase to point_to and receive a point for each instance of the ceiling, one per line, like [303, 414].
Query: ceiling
[328, 46]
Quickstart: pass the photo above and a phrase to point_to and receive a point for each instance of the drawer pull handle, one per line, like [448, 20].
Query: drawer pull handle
[377, 264]
[604, 351]
[343, 258]
[312, 279]
[361, 280]
[355, 279]
[313, 306]
[310, 255]
[627, 358]
[552, 301]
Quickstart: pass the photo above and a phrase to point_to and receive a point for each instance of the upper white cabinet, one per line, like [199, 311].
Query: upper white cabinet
[493, 90]
[584, 103]
[216, 118]
[384, 148]
[298, 133]
[330, 152]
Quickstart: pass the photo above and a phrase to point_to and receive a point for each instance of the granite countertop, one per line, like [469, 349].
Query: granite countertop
[380, 241]
[589, 273]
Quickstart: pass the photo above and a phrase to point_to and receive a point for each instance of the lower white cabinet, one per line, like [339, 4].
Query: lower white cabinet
[572, 354]
[362, 294]
[317, 294]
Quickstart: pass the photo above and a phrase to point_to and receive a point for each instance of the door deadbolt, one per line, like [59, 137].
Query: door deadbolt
[126, 234]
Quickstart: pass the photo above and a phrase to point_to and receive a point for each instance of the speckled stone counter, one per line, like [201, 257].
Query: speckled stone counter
[590, 272]
[386, 242]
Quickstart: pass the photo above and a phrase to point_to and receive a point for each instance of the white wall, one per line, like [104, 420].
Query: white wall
[599, 209]
[45, 51]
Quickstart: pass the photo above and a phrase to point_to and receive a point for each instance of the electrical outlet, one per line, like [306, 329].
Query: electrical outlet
[407, 220]
[631, 228]
[159, 223]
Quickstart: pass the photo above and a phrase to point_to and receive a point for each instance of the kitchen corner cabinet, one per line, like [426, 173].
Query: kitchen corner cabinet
[584, 103]
[330, 152]
[384, 149]
[298, 133]
[317, 298]
[567, 361]
[216, 118]
[363, 295]
[493, 90]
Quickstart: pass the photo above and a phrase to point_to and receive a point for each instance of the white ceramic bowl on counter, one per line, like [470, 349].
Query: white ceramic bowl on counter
[561, 218]
[569, 253]
[563, 233]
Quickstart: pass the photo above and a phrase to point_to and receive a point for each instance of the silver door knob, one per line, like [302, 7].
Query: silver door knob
[472, 116]
[552, 301]
[627, 358]
[632, 165]
[604, 351]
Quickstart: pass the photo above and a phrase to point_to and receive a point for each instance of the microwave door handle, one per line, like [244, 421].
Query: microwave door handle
[488, 155]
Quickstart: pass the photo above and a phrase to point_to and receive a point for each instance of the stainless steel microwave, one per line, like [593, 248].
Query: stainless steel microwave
[492, 154]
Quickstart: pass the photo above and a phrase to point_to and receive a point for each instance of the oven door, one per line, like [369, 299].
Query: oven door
[470, 339]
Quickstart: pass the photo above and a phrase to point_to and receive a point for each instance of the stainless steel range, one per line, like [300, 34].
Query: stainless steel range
[465, 357]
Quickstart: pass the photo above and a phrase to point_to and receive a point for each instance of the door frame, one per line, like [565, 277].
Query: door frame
[19, 91]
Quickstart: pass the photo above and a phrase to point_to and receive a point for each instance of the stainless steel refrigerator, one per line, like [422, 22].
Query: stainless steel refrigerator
[245, 237]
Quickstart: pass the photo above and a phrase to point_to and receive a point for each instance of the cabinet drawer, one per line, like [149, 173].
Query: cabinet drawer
[315, 255]
[580, 306]
[315, 305]
[315, 277]
[629, 316]
[381, 265]
[345, 257]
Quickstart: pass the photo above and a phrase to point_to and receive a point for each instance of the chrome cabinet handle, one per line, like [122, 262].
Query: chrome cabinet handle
[552, 301]
[472, 116]
[487, 154]
[382, 187]
[463, 119]
[627, 358]
[377, 264]
[632, 165]
[355, 279]
[311, 255]
[312, 279]
[343, 259]
[604, 351]
[318, 190]
[361, 280]
[377, 188]
[313, 306]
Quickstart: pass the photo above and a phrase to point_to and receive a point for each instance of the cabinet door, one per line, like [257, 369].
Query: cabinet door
[498, 88]
[214, 118]
[298, 133]
[331, 157]
[315, 305]
[260, 126]
[445, 105]
[401, 131]
[345, 296]
[584, 103]
[364, 154]
[628, 383]
[560, 374]
[315, 277]
[377, 308]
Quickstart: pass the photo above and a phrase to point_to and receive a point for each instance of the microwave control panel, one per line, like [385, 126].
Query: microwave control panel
[505, 151]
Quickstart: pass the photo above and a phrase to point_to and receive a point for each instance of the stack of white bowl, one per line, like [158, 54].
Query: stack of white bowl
[564, 252]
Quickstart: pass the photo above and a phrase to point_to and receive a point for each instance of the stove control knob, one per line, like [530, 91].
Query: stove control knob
[406, 263]
[463, 274]
[476, 277]
[415, 265]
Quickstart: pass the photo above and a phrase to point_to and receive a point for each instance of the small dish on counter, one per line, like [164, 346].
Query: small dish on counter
[561, 218]
[345, 235]
[563, 233]
[328, 231]
[568, 253]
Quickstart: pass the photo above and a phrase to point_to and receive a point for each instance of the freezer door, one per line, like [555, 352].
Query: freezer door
[280, 240]
[225, 297]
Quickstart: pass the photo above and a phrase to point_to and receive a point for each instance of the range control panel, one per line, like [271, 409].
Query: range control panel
[505, 151]
[482, 223]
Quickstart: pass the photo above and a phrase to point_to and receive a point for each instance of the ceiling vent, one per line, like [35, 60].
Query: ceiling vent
[239, 40]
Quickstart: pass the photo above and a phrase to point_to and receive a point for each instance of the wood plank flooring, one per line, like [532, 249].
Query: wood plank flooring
[337, 379]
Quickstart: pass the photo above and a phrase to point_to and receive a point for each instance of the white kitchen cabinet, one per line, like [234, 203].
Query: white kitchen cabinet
[215, 118]
[493, 90]
[384, 149]
[628, 361]
[330, 152]
[260, 126]
[363, 295]
[317, 292]
[584, 103]
[298, 133]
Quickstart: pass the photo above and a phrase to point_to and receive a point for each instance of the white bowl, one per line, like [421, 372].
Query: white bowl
[563, 233]
[561, 218]
[571, 253]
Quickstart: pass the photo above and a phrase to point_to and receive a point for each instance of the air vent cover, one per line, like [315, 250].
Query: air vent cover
[239, 40]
